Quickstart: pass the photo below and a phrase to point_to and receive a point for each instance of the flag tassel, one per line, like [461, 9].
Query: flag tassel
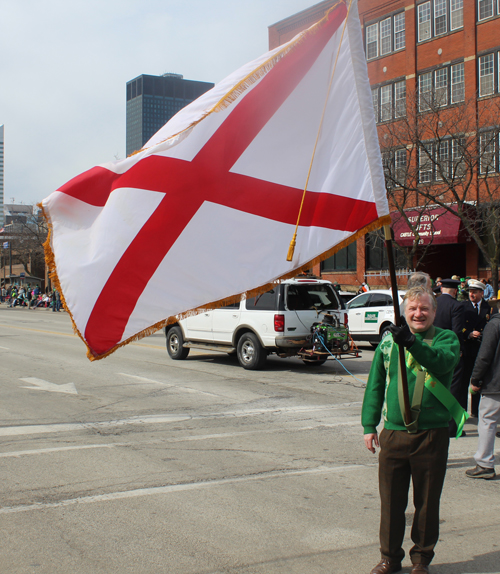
[291, 248]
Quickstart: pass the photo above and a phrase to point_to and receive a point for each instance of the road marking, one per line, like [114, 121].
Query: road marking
[41, 385]
[5, 348]
[95, 426]
[170, 385]
[162, 490]
[162, 419]
[18, 453]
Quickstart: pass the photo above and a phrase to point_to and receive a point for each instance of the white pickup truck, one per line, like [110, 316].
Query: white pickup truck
[278, 321]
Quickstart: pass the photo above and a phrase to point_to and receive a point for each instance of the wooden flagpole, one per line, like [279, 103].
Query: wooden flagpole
[397, 318]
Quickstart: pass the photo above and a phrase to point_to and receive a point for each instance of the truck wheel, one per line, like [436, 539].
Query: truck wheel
[251, 354]
[175, 344]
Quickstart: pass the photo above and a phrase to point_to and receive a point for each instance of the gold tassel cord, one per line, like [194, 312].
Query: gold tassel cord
[291, 248]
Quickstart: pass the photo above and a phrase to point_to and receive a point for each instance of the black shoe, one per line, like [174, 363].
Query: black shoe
[481, 472]
[498, 434]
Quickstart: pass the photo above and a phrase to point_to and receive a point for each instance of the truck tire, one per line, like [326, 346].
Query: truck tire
[251, 354]
[175, 344]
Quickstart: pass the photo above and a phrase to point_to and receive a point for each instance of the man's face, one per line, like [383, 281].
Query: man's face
[420, 313]
[475, 295]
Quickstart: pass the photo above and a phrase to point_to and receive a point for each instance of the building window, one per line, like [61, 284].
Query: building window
[424, 21]
[487, 75]
[425, 91]
[457, 14]
[457, 83]
[436, 17]
[385, 36]
[441, 87]
[486, 9]
[386, 103]
[442, 160]
[343, 260]
[389, 101]
[394, 163]
[372, 41]
[425, 163]
[488, 153]
[399, 31]
[400, 99]
[376, 253]
[440, 17]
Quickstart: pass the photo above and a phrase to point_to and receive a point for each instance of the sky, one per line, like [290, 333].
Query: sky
[64, 66]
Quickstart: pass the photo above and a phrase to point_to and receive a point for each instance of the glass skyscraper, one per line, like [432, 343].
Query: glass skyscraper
[153, 100]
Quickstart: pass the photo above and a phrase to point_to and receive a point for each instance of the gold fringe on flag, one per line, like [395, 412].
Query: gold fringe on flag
[92, 356]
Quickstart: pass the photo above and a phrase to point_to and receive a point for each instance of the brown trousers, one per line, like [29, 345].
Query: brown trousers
[421, 456]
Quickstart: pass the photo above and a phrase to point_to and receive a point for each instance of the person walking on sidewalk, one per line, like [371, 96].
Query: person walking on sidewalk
[485, 380]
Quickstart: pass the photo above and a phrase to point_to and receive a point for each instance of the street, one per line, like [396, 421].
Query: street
[140, 464]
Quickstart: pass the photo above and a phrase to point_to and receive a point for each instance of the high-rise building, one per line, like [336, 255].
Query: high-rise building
[1, 176]
[153, 100]
[434, 71]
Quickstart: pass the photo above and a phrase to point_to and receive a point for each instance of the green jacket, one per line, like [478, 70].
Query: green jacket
[381, 394]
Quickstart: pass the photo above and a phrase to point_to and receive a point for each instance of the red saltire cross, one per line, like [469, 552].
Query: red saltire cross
[188, 184]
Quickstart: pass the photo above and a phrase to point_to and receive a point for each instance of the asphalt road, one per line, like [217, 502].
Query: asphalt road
[140, 464]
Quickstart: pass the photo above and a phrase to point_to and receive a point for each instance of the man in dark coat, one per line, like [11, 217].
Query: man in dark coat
[450, 315]
[485, 380]
[477, 313]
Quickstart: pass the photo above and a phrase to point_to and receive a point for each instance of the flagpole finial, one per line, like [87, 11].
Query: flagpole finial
[291, 248]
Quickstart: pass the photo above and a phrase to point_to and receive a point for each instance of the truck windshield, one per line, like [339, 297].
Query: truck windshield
[311, 296]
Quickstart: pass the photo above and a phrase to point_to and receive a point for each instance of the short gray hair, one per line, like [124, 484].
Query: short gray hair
[420, 279]
[417, 293]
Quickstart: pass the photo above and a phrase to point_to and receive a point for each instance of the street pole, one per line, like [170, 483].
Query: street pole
[397, 319]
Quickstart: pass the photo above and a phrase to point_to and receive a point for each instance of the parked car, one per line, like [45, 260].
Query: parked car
[279, 321]
[346, 296]
[370, 315]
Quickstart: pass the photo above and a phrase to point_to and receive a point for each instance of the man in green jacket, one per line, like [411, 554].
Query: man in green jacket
[418, 451]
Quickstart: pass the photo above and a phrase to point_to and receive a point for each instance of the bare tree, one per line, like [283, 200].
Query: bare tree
[441, 155]
[27, 235]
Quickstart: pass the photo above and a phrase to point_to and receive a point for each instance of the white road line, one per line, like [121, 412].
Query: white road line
[5, 348]
[163, 490]
[68, 427]
[163, 419]
[18, 453]
[169, 385]
[189, 438]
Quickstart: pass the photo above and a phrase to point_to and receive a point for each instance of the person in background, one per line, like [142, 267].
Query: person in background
[488, 289]
[462, 289]
[485, 379]
[477, 313]
[450, 315]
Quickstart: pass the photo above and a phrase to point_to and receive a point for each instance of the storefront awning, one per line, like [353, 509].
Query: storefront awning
[435, 225]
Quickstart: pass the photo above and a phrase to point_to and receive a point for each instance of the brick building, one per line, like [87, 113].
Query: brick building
[434, 67]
